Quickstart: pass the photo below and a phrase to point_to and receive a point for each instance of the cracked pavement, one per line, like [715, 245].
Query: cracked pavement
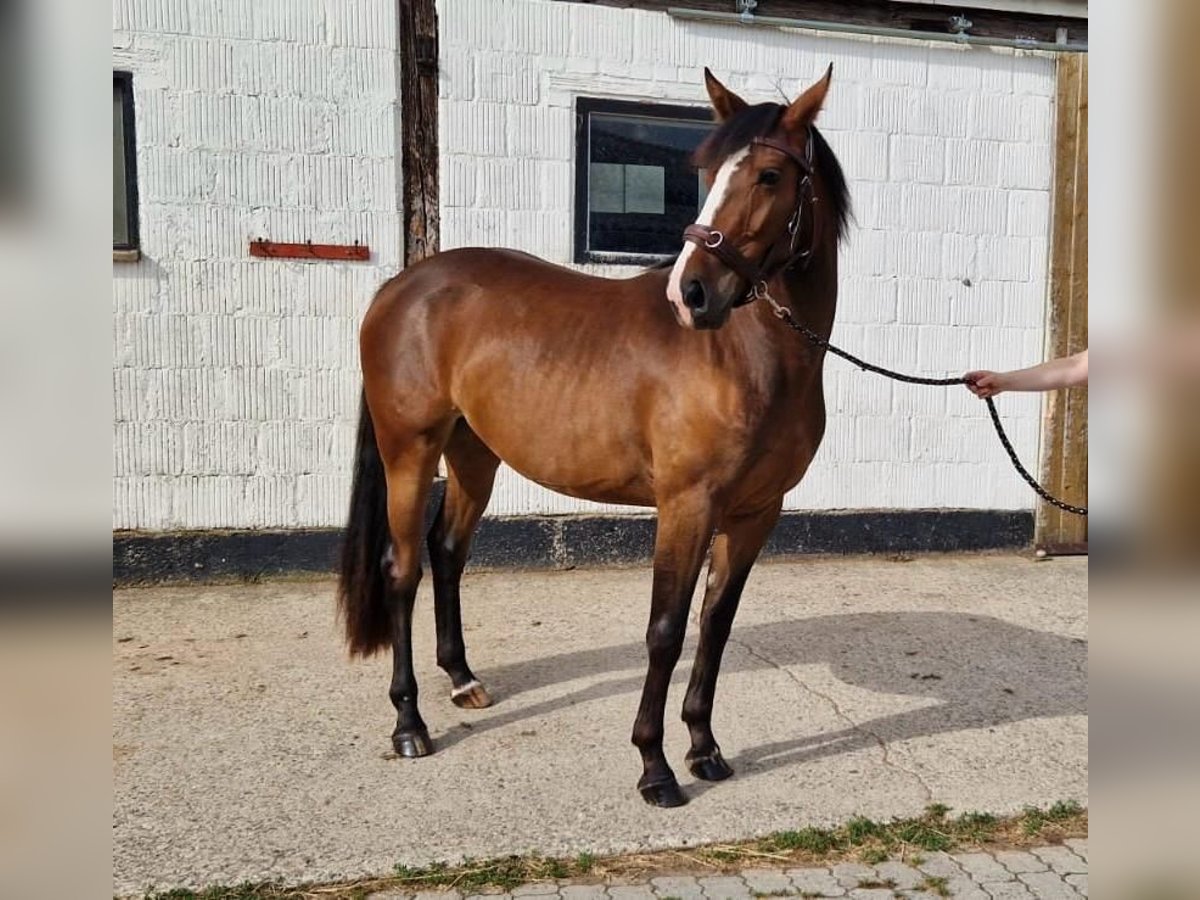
[247, 747]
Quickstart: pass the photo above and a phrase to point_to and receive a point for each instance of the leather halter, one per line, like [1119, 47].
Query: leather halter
[712, 241]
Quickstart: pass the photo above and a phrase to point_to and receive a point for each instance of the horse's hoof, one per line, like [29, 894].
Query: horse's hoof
[664, 794]
[471, 695]
[411, 744]
[711, 767]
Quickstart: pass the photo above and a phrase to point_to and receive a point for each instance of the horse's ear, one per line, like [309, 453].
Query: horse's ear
[803, 111]
[726, 103]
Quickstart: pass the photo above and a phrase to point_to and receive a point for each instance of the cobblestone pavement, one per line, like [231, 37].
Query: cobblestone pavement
[1047, 873]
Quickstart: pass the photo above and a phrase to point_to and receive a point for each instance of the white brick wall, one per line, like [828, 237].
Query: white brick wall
[949, 157]
[236, 379]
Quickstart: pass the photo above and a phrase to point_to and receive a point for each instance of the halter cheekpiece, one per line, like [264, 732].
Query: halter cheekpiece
[713, 241]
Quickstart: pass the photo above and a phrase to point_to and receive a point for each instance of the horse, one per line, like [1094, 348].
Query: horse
[667, 389]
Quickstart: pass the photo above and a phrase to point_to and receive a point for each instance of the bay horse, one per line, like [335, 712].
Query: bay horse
[591, 387]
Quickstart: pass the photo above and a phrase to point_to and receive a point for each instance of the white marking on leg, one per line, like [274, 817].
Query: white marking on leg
[711, 204]
[465, 689]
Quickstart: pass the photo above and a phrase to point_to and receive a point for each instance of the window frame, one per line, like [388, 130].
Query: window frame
[646, 109]
[124, 81]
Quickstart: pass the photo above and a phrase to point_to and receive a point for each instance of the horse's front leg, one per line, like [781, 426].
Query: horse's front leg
[684, 528]
[734, 551]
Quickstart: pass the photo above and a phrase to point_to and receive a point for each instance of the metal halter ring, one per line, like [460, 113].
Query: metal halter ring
[714, 240]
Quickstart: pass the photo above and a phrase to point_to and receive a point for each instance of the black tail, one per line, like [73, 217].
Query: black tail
[361, 585]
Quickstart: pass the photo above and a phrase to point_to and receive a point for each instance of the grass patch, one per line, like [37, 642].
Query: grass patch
[869, 883]
[861, 838]
[935, 884]
[872, 856]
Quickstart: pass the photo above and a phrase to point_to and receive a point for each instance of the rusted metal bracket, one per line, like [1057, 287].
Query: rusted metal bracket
[309, 250]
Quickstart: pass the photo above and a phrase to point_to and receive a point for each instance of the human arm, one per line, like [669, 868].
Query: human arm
[1070, 371]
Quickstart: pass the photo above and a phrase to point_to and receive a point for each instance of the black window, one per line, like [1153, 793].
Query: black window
[635, 187]
[125, 230]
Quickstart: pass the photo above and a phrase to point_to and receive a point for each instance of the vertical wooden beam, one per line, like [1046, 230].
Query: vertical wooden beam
[418, 48]
[1065, 457]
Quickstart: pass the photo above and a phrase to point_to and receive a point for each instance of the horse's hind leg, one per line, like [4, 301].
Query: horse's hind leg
[733, 554]
[472, 472]
[409, 471]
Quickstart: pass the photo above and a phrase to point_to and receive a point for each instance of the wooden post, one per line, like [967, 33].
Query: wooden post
[418, 47]
[1065, 455]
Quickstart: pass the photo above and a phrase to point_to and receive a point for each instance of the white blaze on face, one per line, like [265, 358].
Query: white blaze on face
[711, 204]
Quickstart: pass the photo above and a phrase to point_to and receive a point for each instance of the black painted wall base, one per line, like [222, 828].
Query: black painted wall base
[561, 542]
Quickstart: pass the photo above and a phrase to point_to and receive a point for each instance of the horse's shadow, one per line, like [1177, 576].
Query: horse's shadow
[980, 671]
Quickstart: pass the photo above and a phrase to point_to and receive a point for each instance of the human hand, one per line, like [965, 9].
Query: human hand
[985, 384]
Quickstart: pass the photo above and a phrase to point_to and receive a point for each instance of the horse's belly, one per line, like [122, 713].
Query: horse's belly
[598, 466]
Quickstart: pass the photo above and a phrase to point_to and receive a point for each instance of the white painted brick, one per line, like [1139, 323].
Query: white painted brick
[954, 69]
[1005, 258]
[983, 212]
[863, 155]
[1025, 304]
[537, 29]
[506, 77]
[996, 70]
[1026, 166]
[457, 184]
[842, 109]
[1034, 75]
[923, 302]
[866, 253]
[224, 18]
[473, 23]
[998, 117]
[851, 60]
[363, 73]
[541, 232]
[164, 16]
[1028, 214]
[916, 253]
[944, 349]
[596, 32]
[953, 112]
[920, 207]
[541, 132]
[202, 65]
[478, 128]
[456, 75]
[508, 184]
[911, 400]
[361, 23]
[301, 21]
[981, 304]
[893, 64]
[884, 109]
[974, 162]
[867, 300]
[919, 159]
[881, 439]
[1037, 117]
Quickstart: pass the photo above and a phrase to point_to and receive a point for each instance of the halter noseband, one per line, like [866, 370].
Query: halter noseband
[713, 241]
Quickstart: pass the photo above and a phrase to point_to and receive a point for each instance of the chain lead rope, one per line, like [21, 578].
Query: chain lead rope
[785, 315]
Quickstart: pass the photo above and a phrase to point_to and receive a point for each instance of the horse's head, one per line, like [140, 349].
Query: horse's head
[759, 217]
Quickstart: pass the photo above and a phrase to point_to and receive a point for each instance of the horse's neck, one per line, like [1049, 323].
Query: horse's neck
[811, 294]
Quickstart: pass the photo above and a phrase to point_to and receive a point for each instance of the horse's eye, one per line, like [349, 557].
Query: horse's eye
[768, 177]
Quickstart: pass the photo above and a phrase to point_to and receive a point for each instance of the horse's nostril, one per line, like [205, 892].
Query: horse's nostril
[693, 297]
